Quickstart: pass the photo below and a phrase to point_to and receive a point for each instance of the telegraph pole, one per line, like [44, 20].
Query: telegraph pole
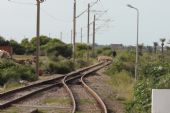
[88, 30]
[38, 36]
[61, 36]
[81, 35]
[71, 37]
[74, 31]
[49, 35]
[94, 33]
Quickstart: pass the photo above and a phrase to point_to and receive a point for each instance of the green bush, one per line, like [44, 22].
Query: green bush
[105, 51]
[60, 50]
[4, 63]
[9, 71]
[80, 63]
[153, 75]
[121, 63]
[61, 67]
[27, 73]
[81, 47]
[115, 67]
[81, 54]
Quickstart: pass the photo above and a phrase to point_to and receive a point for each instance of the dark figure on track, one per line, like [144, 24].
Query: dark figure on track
[114, 53]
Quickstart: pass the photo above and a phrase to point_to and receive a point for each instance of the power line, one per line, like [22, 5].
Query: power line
[54, 18]
[87, 9]
[21, 3]
[98, 18]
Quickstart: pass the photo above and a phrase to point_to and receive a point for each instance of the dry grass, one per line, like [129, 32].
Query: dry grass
[87, 101]
[10, 86]
[123, 85]
[54, 100]
[10, 110]
[23, 57]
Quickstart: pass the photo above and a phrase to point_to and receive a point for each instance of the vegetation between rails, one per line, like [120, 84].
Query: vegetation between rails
[55, 100]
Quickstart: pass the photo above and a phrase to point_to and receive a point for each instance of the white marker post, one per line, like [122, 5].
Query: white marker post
[161, 101]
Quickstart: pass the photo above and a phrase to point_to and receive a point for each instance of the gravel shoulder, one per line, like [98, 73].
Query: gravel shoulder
[100, 83]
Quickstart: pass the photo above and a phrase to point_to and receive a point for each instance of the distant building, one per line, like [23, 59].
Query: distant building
[7, 48]
[116, 46]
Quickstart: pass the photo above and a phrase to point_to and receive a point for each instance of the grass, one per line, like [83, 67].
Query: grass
[10, 110]
[23, 57]
[86, 101]
[42, 111]
[54, 100]
[122, 83]
[47, 111]
[79, 112]
[10, 86]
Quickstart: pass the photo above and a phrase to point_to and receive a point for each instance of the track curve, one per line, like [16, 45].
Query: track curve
[94, 94]
[81, 76]
[70, 93]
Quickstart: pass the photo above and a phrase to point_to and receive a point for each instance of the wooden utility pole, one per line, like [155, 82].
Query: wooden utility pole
[94, 33]
[49, 35]
[88, 30]
[81, 35]
[61, 36]
[74, 31]
[71, 37]
[38, 36]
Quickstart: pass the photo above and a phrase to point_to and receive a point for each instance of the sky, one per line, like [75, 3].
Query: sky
[18, 20]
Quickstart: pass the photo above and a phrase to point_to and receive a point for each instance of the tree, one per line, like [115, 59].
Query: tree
[51, 44]
[162, 44]
[43, 40]
[81, 47]
[2, 39]
[60, 50]
[25, 43]
[29, 49]
[155, 46]
[17, 48]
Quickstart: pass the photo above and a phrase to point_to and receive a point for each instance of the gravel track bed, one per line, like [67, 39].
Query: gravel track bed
[99, 83]
[21, 93]
[55, 100]
[85, 102]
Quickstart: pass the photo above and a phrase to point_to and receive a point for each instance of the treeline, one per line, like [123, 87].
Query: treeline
[55, 58]
[47, 46]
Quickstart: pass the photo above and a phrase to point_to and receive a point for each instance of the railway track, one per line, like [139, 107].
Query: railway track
[92, 95]
[19, 94]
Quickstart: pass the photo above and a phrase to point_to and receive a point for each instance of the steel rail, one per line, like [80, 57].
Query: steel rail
[94, 94]
[71, 95]
[53, 80]
[66, 79]
[58, 82]
[81, 76]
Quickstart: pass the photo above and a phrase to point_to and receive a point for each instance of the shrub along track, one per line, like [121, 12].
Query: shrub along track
[17, 95]
[82, 94]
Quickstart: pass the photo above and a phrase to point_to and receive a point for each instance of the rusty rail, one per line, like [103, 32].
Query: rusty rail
[93, 93]
[56, 82]
[81, 76]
